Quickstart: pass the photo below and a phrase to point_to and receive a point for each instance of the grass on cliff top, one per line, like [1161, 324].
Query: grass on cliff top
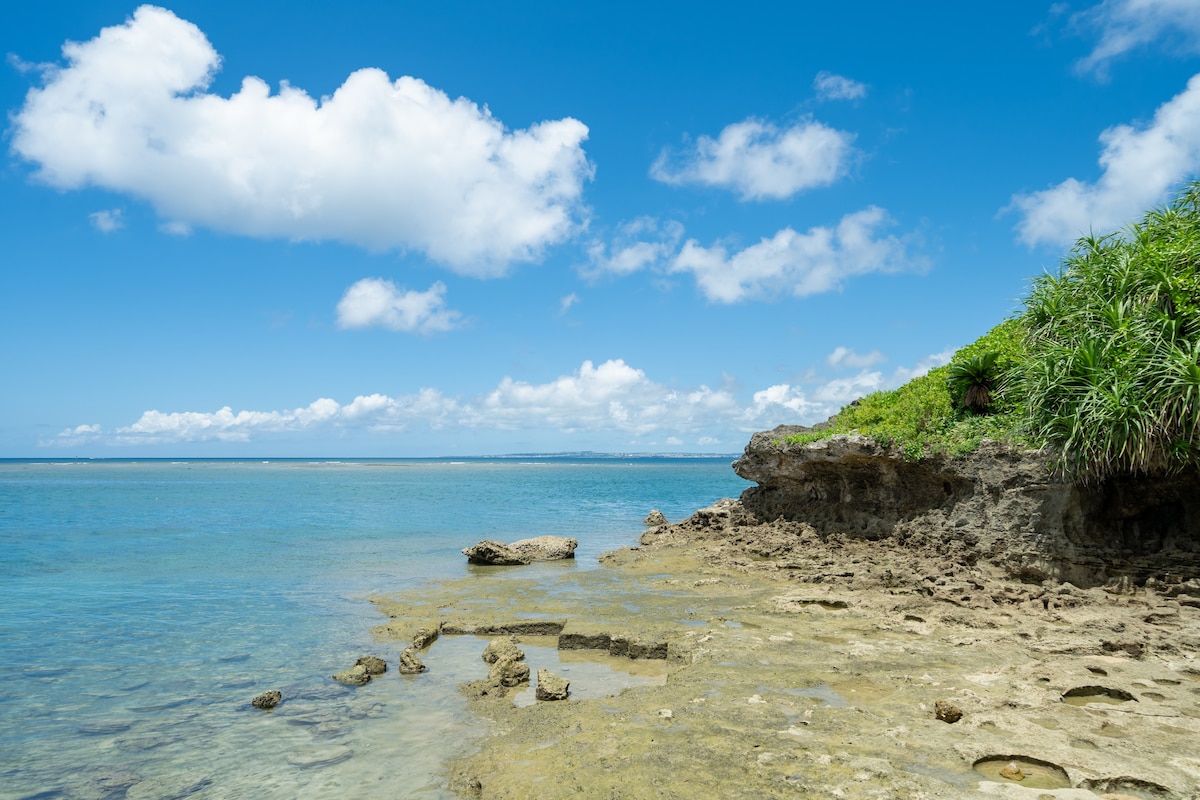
[926, 416]
[1103, 364]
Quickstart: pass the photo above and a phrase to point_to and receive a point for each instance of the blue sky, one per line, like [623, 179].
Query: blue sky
[402, 229]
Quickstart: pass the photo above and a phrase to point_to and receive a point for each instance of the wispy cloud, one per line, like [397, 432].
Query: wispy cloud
[383, 164]
[761, 161]
[846, 357]
[379, 303]
[1126, 25]
[565, 304]
[799, 264]
[1140, 166]
[107, 221]
[830, 86]
[638, 244]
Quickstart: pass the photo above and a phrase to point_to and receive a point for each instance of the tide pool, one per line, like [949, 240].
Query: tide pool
[143, 604]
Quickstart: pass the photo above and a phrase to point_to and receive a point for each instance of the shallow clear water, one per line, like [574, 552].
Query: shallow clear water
[143, 604]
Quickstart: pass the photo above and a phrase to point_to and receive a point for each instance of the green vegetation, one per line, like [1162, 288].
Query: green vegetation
[1113, 374]
[1103, 364]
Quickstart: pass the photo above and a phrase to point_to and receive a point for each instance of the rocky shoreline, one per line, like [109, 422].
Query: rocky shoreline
[857, 644]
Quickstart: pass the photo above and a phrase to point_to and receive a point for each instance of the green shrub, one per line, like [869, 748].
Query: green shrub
[1112, 377]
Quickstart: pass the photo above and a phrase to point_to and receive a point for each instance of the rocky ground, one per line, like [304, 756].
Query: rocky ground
[805, 664]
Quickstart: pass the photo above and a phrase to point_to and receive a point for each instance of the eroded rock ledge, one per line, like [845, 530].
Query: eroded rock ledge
[1004, 504]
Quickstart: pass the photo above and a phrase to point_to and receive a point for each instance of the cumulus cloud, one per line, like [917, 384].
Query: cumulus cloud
[830, 86]
[377, 303]
[107, 221]
[612, 396]
[636, 245]
[761, 161]
[846, 357]
[1125, 25]
[381, 163]
[799, 264]
[1140, 166]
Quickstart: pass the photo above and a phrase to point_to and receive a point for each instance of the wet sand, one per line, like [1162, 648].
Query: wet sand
[806, 666]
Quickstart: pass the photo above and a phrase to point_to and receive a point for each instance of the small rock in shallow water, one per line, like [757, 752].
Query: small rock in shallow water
[508, 672]
[1012, 772]
[947, 712]
[551, 686]
[355, 676]
[503, 649]
[410, 663]
[267, 700]
[374, 665]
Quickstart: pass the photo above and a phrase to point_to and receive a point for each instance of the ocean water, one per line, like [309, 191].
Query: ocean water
[143, 604]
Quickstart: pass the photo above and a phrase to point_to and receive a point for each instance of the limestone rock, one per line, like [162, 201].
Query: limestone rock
[496, 554]
[1002, 504]
[508, 672]
[947, 711]
[504, 648]
[545, 548]
[655, 517]
[374, 665]
[424, 637]
[551, 686]
[267, 700]
[355, 676]
[410, 663]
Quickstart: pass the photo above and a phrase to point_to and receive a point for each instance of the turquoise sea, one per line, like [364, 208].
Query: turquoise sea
[144, 603]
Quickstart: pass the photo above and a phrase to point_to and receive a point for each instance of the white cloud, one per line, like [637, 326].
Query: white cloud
[638, 244]
[377, 303]
[1125, 25]
[830, 86]
[798, 264]
[846, 357]
[609, 397]
[564, 305]
[380, 164]
[107, 221]
[760, 161]
[1141, 165]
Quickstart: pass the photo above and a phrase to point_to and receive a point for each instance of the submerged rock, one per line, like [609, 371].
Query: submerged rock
[267, 700]
[551, 686]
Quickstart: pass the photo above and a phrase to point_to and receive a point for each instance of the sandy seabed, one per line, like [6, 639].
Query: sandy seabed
[801, 665]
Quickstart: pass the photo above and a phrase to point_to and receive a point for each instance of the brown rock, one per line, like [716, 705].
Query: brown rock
[355, 676]
[374, 665]
[267, 700]
[410, 664]
[947, 711]
[551, 686]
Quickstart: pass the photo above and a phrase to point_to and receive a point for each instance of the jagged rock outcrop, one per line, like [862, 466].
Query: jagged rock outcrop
[1004, 503]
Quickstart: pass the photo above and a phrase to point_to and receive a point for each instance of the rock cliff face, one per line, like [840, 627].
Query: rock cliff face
[1005, 503]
